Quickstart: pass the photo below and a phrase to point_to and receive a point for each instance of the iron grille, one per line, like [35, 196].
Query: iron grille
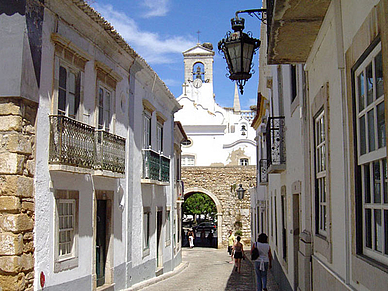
[263, 171]
[276, 148]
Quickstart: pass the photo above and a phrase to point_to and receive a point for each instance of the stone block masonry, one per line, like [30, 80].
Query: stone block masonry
[17, 207]
[222, 182]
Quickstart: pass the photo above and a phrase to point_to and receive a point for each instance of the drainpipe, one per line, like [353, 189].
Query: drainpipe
[341, 68]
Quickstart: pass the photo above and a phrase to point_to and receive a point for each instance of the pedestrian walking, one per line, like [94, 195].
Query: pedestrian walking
[231, 239]
[263, 262]
[191, 238]
[238, 250]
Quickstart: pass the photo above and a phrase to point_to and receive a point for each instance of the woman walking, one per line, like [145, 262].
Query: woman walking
[191, 238]
[238, 254]
[263, 262]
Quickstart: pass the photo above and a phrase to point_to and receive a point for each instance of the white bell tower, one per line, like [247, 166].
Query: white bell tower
[198, 83]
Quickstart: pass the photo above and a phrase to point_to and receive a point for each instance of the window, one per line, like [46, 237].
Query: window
[168, 227]
[147, 129]
[104, 108]
[146, 230]
[244, 162]
[271, 213]
[66, 229]
[284, 225]
[187, 143]
[159, 128]
[68, 91]
[276, 220]
[70, 64]
[320, 173]
[293, 83]
[66, 212]
[371, 156]
[188, 160]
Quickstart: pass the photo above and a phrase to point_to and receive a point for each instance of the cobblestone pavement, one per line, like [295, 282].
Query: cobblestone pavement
[209, 269]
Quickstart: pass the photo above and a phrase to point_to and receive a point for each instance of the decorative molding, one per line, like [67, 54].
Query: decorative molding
[107, 74]
[160, 117]
[70, 52]
[226, 146]
[148, 106]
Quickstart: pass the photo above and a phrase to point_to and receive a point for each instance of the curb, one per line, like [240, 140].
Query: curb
[182, 266]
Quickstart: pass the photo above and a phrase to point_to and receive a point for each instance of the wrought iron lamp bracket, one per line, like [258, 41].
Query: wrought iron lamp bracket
[260, 14]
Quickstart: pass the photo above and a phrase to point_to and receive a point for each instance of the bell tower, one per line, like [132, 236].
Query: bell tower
[198, 83]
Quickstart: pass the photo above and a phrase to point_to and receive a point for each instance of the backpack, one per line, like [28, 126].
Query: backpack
[255, 253]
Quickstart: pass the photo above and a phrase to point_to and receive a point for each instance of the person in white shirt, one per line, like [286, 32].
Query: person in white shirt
[263, 262]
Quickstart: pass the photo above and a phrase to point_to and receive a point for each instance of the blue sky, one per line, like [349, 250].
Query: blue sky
[160, 30]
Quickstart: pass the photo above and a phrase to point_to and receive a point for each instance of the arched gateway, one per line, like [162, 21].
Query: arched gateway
[219, 184]
[190, 191]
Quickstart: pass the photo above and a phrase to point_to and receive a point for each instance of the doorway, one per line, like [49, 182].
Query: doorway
[296, 228]
[103, 227]
[159, 241]
[101, 245]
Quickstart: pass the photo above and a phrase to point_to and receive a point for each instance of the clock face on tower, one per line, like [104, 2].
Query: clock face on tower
[197, 83]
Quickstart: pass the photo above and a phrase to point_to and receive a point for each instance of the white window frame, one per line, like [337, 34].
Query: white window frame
[66, 225]
[146, 230]
[244, 162]
[107, 107]
[70, 90]
[371, 160]
[147, 118]
[168, 227]
[159, 136]
[320, 172]
[188, 160]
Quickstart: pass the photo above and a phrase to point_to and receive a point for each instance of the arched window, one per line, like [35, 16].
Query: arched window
[198, 71]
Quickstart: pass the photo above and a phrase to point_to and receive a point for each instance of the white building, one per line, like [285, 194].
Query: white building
[93, 191]
[217, 136]
[322, 69]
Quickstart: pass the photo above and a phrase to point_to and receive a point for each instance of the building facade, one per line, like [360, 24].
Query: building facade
[322, 68]
[89, 197]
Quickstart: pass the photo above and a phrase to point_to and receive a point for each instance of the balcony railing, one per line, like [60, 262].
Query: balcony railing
[155, 166]
[263, 171]
[110, 152]
[74, 143]
[276, 147]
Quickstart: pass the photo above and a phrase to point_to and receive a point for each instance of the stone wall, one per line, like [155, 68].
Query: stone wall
[222, 182]
[17, 167]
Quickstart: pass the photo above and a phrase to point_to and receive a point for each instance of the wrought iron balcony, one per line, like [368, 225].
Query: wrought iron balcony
[110, 152]
[73, 143]
[276, 147]
[155, 166]
[263, 171]
[164, 169]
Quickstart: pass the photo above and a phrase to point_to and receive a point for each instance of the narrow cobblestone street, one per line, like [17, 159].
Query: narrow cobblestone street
[209, 269]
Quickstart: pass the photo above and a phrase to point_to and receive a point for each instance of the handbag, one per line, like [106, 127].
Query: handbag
[255, 253]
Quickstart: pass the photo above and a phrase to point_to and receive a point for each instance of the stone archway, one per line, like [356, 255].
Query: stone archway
[218, 206]
[219, 184]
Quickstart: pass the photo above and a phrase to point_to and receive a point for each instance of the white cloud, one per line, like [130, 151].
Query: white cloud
[156, 7]
[154, 48]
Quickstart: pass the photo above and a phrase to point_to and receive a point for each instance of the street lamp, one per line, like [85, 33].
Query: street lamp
[238, 49]
[240, 192]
